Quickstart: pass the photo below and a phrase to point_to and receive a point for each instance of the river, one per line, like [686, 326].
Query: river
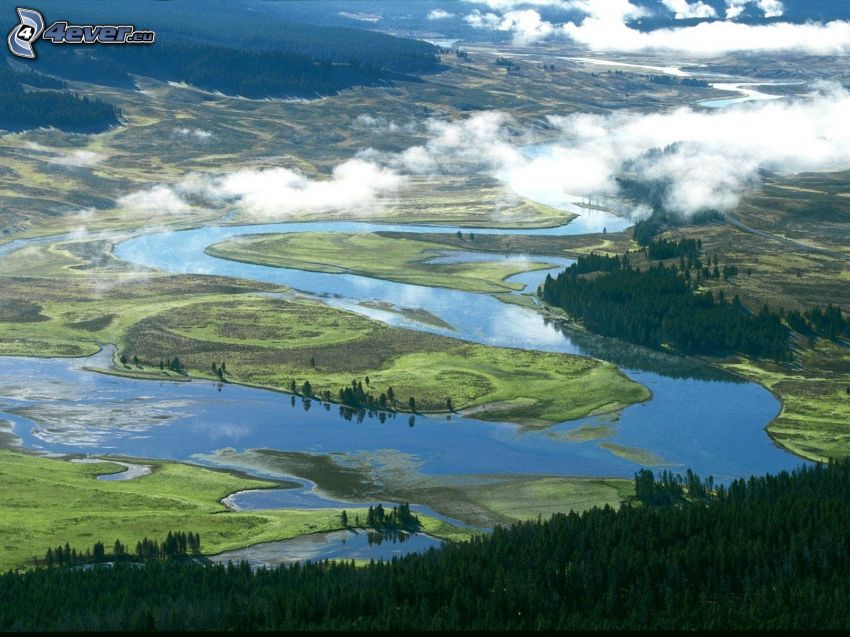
[696, 419]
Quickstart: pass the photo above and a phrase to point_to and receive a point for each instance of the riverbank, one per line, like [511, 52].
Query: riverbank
[45, 502]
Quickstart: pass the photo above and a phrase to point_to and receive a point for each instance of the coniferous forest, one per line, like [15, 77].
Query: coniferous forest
[660, 305]
[23, 106]
[248, 73]
[770, 552]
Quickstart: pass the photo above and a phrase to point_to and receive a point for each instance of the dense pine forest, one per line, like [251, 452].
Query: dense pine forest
[23, 106]
[765, 553]
[666, 304]
[255, 74]
[660, 305]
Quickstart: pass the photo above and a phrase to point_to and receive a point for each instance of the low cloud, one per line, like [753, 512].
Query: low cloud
[274, 193]
[354, 186]
[714, 38]
[700, 159]
[705, 159]
[527, 26]
[606, 27]
[80, 158]
[440, 14]
[159, 199]
[379, 124]
[197, 134]
[484, 140]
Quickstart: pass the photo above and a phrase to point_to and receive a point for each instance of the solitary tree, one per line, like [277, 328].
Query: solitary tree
[412, 403]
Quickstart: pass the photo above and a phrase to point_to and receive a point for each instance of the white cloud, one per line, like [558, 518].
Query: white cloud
[378, 124]
[198, 134]
[714, 38]
[685, 10]
[703, 159]
[355, 185]
[480, 20]
[156, 199]
[527, 26]
[605, 28]
[80, 158]
[707, 158]
[482, 140]
[770, 8]
[440, 14]
[274, 193]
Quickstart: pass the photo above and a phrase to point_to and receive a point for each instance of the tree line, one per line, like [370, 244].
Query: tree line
[356, 398]
[766, 553]
[177, 544]
[381, 524]
[827, 323]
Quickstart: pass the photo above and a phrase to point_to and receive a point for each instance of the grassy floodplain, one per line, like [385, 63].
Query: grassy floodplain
[45, 502]
[394, 259]
[271, 342]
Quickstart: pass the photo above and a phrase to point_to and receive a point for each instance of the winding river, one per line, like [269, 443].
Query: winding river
[697, 418]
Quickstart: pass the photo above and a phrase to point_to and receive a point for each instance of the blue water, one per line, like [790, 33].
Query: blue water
[684, 423]
[715, 427]
[335, 545]
[712, 427]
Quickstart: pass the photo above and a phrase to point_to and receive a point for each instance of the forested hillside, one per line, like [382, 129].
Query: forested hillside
[235, 52]
[767, 553]
[231, 71]
[236, 24]
[24, 106]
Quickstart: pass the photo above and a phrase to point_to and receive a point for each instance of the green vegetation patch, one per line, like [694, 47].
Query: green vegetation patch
[272, 342]
[815, 418]
[373, 255]
[45, 502]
